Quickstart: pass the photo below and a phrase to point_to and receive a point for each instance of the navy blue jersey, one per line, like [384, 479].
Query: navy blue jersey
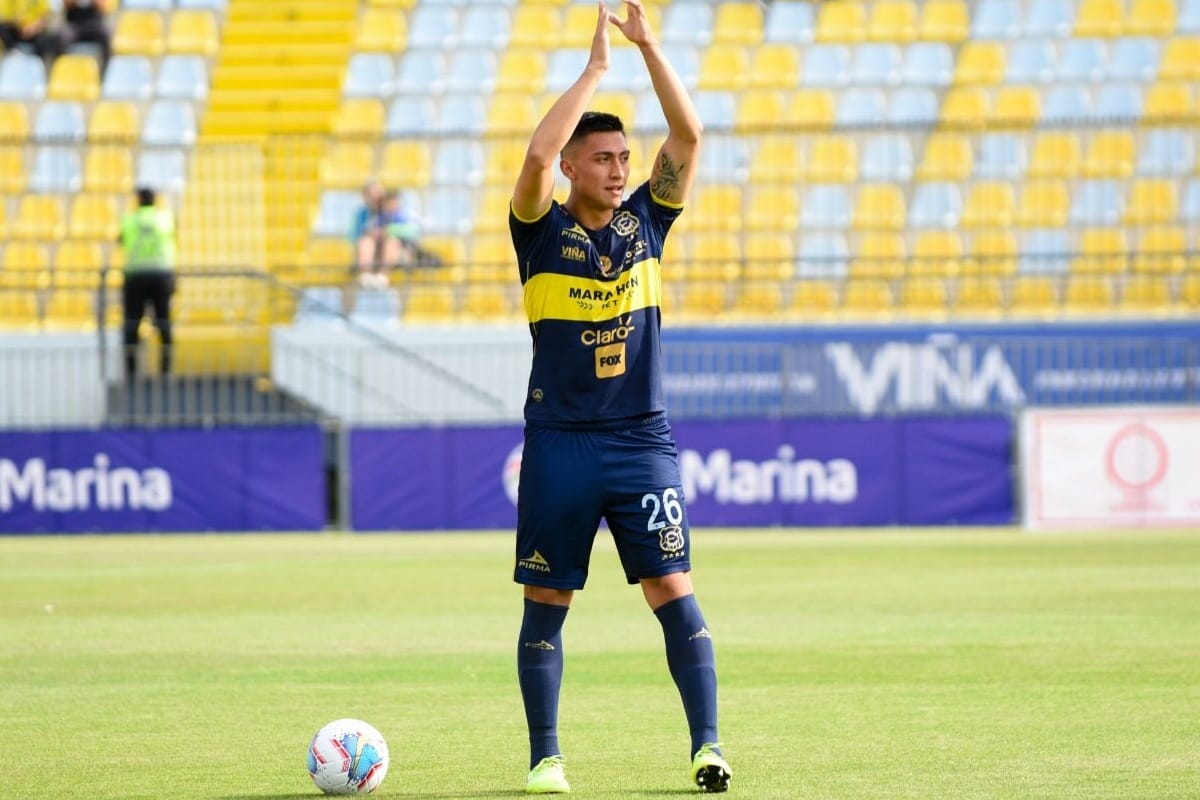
[593, 303]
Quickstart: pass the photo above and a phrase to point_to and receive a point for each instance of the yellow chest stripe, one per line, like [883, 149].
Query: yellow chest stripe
[549, 295]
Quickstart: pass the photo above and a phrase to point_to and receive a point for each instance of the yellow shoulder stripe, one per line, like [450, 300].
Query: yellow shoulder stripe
[550, 295]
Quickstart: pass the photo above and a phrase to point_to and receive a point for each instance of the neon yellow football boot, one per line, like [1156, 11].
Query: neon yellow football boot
[548, 777]
[710, 771]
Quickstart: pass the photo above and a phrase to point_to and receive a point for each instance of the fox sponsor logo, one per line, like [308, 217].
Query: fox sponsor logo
[783, 478]
[619, 333]
[100, 486]
[610, 360]
[573, 252]
[535, 563]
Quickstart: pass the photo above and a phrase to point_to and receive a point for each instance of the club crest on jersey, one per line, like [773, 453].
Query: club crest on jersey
[670, 541]
[625, 223]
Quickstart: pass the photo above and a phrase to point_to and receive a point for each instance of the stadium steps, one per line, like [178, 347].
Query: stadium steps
[198, 400]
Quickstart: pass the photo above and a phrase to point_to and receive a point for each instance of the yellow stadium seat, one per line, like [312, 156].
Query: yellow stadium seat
[77, 265]
[331, 255]
[947, 157]
[579, 25]
[14, 121]
[1189, 292]
[980, 63]
[775, 66]
[407, 164]
[114, 121]
[405, 4]
[1168, 102]
[993, 252]
[1102, 251]
[492, 249]
[1110, 154]
[429, 303]
[18, 309]
[12, 172]
[832, 158]
[3, 209]
[94, 216]
[1043, 204]
[989, 204]
[193, 31]
[759, 110]
[360, 118]
[716, 256]
[70, 309]
[924, 297]
[769, 256]
[944, 21]
[718, 207]
[892, 21]
[738, 22]
[773, 207]
[813, 299]
[704, 299]
[843, 21]
[1151, 202]
[812, 108]
[879, 206]
[39, 216]
[504, 159]
[724, 67]
[491, 209]
[758, 300]
[1145, 294]
[979, 296]
[486, 303]
[139, 32]
[867, 298]
[108, 168]
[1056, 154]
[538, 26]
[1161, 249]
[1088, 294]
[1016, 106]
[777, 159]
[936, 253]
[966, 107]
[25, 257]
[452, 250]
[348, 165]
[74, 77]
[1151, 18]
[1033, 294]
[1180, 59]
[381, 30]
[622, 104]
[511, 112]
[878, 255]
[522, 69]
[1100, 18]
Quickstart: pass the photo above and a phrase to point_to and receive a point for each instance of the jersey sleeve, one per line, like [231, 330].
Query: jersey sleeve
[529, 241]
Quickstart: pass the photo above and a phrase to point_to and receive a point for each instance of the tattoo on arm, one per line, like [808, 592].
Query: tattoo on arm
[666, 184]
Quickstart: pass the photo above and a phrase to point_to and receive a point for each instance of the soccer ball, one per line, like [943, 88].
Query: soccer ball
[347, 756]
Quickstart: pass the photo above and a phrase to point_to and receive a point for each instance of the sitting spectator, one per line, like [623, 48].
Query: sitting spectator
[384, 236]
[86, 21]
[27, 23]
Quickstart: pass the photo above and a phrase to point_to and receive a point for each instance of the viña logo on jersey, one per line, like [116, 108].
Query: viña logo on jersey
[779, 479]
[100, 486]
[925, 376]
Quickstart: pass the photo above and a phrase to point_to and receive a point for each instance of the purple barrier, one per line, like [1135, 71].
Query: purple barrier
[753, 473]
[224, 479]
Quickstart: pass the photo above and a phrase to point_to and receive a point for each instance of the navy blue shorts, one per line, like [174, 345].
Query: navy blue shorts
[571, 480]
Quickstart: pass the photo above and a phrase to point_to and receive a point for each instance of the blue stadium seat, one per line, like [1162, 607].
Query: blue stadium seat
[887, 157]
[22, 77]
[876, 64]
[648, 112]
[335, 212]
[1082, 61]
[1118, 101]
[997, 19]
[59, 121]
[448, 211]
[1001, 156]
[825, 206]
[486, 25]
[928, 64]
[725, 159]
[463, 114]
[182, 77]
[458, 162]
[935, 204]
[1065, 103]
[421, 71]
[471, 71]
[1188, 19]
[687, 23]
[369, 75]
[789, 22]
[169, 123]
[685, 58]
[563, 68]
[164, 170]
[410, 115]
[1166, 151]
[860, 105]
[1134, 59]
[148, 5]
[823, 255]
[1049, 19]
[826, 65]
[627, 71]
[1096, 203]
[376, 308]
[321, 305]
[56, 169]
[1044, 250]
[1189, 206]
[128, 78]
[913, 105]
[211, 5]
[717, 109]
[433, 26]
[1030, 61]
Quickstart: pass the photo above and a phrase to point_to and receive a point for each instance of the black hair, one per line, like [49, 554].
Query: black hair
[596, 122]
[145, 196]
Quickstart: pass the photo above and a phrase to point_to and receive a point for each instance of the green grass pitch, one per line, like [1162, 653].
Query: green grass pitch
[853, 664]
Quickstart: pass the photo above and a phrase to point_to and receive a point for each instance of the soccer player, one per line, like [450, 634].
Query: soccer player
[597, 442]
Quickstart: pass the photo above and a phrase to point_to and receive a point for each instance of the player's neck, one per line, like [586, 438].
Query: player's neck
[591, 217]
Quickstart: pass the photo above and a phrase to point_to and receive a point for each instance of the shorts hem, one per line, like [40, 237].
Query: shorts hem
[547, 584]
[671, 570]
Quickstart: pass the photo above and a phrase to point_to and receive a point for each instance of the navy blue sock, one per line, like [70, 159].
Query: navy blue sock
[692, 664]
[540, 670]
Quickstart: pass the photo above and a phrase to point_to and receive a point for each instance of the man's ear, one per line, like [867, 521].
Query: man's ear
[567, 169]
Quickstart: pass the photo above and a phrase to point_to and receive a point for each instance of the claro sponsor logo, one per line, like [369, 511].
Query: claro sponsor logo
[780, 479]
[100, 486]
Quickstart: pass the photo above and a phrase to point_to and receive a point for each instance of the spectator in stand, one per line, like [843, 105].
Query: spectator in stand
[86, 21]
[385, 237]
[28, 23]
